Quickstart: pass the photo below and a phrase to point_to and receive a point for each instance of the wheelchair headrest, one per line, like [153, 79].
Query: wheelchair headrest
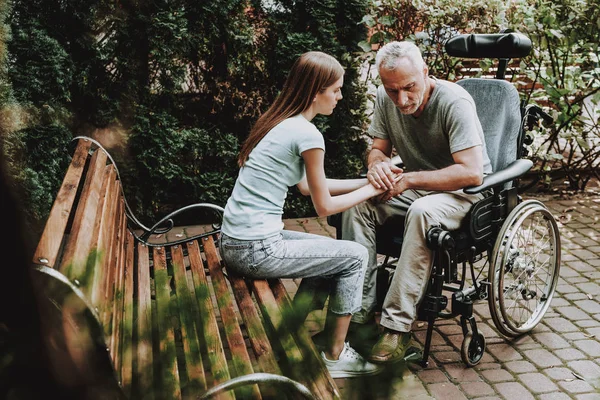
[493, 45]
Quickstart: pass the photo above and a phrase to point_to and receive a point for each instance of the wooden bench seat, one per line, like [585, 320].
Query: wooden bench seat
[175, 324]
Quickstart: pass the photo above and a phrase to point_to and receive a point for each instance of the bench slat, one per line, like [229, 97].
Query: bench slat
[257, 335]
[273, 314]
[54, 231]
[191, 347]
[168, 357]
[323, 380]
[143, 341]
[117, 264]
[78, 253]
[128, 349]
[233, 333]
[207, 320]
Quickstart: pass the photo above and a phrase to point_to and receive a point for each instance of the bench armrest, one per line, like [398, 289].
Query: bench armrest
[166, 224]
[512, 171]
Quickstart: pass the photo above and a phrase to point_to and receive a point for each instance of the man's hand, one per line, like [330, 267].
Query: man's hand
[383, 175]
[399, 188]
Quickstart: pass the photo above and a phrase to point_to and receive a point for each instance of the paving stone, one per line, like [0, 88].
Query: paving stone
[559, 373]
[575, 336]
[583, 254]
[504, 352]
[519, 367]
[460, 373]
[551, 340]
[497, 375]
[559, 302]
[589, 288]
[432, 376]
[589, 306]
[560, 324]
[576, 386]
[487, 365]
[569, 354]
[537, 383]
[555, 396]
[589, 370]
[477, 389]
[588, 396]
[565, 288]
[513, 390]
[586, 323]
[589, 347]
[576, 295]
[582, 266]
[542, 358]
[572, 313]
[446, 391]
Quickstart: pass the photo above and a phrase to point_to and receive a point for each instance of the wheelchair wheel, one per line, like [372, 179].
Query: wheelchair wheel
[524, 268]
[472, 349]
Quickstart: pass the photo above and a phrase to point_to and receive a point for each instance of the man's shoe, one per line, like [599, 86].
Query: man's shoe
[350, 364]
[391, 347]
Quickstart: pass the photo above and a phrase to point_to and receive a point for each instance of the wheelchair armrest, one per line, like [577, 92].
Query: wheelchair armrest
[512, 171]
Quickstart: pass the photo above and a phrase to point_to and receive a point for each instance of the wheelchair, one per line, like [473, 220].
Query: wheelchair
[515, 241]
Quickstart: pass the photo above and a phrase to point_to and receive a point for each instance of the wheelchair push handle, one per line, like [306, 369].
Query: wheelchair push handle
[491, 45]
[536, 112]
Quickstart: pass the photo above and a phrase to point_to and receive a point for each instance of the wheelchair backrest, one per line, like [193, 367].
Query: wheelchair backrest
[499, 111]
[497, 101]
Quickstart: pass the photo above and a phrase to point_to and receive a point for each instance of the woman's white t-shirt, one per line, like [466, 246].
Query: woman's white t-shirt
[255, 208]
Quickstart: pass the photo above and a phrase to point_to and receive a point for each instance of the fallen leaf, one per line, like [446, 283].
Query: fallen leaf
[578, 376]
[565, 218]
[590, 296]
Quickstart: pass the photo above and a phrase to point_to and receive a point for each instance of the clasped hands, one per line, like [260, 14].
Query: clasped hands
[387, 176]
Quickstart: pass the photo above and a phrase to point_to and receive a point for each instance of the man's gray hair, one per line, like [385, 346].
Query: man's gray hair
[388, 56]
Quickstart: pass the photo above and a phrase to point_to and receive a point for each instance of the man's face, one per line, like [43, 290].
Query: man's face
[406, 85]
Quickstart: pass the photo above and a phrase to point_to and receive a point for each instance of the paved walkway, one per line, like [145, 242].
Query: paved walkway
[559, 359]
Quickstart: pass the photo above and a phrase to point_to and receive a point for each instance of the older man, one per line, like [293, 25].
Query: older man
[433, 126]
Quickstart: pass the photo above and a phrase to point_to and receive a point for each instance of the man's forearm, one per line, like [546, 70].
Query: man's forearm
[451, 178]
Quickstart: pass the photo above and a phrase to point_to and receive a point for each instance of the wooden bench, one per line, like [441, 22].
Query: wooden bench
[142, 319]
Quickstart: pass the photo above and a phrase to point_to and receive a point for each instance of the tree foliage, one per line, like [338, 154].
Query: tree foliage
[170, 87]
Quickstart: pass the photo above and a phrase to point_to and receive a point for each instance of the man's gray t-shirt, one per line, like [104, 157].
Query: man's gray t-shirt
[255, 207]
[448, 124]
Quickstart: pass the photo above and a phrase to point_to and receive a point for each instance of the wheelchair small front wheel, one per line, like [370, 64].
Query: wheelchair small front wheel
[524, 268]
[472, 348]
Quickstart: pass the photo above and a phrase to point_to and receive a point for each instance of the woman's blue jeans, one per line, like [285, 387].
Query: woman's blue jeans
[322, 262]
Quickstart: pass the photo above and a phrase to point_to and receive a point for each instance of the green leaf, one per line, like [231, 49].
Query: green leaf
[583, 143]
[365, 46]
[368, 20]
[557, 33]
[387, 20]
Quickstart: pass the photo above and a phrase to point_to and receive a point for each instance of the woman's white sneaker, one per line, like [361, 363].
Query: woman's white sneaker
[350, 364]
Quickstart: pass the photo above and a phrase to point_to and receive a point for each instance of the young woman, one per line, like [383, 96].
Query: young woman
[283, 149]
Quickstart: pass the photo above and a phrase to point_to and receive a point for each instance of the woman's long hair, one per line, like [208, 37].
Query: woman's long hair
[312, 72]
